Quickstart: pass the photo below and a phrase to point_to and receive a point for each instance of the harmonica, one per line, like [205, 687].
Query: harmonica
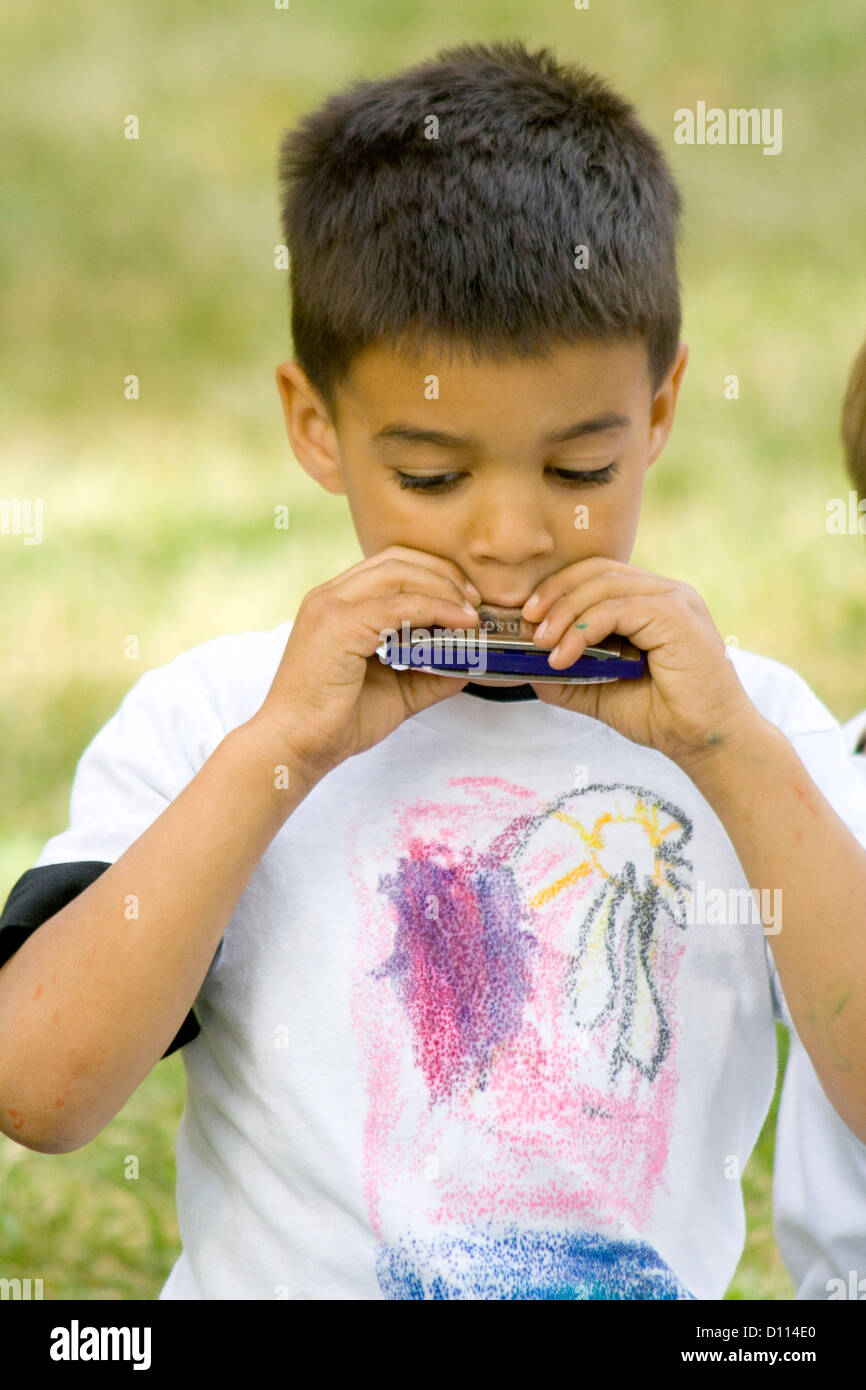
[502, 649]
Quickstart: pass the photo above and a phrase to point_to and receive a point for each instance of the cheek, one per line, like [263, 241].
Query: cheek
[597, 513]
[370, 519]
[607, 522]
[383, 517]
[623, 524]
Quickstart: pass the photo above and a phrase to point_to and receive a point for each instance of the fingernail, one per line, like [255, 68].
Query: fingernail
[530, 603]
[541, 629]
[471, 589]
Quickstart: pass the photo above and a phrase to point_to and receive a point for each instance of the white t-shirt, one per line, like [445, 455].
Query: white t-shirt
[455, 1042]
[819, 1171]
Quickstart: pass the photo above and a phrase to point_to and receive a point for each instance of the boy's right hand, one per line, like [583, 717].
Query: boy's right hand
[332, 697]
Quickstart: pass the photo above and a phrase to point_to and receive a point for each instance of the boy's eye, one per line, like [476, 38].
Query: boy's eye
[445, 482]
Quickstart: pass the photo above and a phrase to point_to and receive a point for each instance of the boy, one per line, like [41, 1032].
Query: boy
[459, 1027]
[819, 1170]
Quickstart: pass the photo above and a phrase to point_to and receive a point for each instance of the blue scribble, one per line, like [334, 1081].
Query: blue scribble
[525, 1264]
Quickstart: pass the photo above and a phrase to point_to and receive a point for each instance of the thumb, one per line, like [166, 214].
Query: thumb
[420, 690]
[581, 698]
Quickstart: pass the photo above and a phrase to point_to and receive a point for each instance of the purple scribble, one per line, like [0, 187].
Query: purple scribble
[460, 963]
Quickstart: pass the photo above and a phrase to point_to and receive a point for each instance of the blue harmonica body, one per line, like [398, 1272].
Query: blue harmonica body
[502, 650]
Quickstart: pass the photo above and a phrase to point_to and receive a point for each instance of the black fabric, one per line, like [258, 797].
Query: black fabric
[861, 743]
[38, 894]
[499, 692]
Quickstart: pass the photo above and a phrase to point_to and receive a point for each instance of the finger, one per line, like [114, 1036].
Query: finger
[648, 621]
[420, 690]
[571, 609]
[449, 569]
[371, 618]
[400, 576]
[582, 699]
[553, 588]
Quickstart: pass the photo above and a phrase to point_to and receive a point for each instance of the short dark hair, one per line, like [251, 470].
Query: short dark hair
[854, 423]
[471, 237]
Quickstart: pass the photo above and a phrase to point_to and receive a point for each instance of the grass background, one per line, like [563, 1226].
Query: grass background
[155, 257]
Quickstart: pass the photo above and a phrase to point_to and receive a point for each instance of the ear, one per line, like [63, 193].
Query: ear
[664, 404]
[311, 432]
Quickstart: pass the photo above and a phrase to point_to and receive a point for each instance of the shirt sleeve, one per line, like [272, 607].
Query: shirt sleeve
[819, 1187]
[819, 1167]
[162, 734]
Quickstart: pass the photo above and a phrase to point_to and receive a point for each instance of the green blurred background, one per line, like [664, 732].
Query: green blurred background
[156, 257]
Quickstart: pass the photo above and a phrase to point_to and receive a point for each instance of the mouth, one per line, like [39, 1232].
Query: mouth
[505, 621]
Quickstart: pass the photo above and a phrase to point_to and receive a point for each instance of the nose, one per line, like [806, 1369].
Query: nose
[510, 526]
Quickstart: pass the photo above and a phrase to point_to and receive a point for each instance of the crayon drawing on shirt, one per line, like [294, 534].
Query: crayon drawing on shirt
[514, 1005]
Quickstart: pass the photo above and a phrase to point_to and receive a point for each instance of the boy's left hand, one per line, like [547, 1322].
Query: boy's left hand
[689, 703]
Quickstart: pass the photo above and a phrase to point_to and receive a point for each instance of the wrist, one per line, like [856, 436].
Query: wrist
[276, 763]
[744, 739]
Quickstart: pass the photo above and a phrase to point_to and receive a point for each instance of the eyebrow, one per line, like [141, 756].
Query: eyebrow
[412, 434]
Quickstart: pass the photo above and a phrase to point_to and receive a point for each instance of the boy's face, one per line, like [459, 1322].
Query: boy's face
[496, 433]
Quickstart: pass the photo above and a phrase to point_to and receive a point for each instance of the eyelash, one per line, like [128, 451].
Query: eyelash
[436, 484]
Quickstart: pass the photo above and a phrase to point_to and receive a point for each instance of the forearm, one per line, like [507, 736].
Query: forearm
[788, 837]
[91, 1000]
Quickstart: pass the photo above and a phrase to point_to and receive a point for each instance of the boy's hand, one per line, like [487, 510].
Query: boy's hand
[689, 702]
[332, 697]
